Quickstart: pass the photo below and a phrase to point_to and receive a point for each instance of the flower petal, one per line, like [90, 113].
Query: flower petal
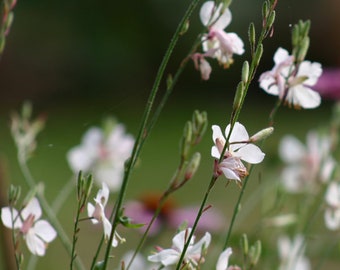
[180, 239]
[281, 55]
[291, 150]
[32, 208]
[6, 216]
[45, 231]
[166, 257]
[305, 97]
[35, 244]
[238, 134]
[197, 248]
[223, 259]
[310, 70]
[251, 154]
[209, 14]
[332, 219]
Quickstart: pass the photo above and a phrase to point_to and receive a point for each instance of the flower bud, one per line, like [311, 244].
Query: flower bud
[186, 139]
[262, 134]
[192, 166]
[303, 49]
[200, 124]
[238, 96]
[265, 10]
[255, 253]
[252, 36]
[271, 19]
[244, 244]
[185, 27]
[245, 71]
[258, 55]
[14, 194]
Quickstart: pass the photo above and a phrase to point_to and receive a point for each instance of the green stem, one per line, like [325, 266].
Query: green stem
[142, 131]
[49, 212]
[199, 214]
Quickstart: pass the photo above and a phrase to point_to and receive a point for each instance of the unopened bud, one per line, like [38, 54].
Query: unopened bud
[265, 10]
[238, 96]
[14, 194]
[245, 71]
[200, 124]
[255, 253]
[26, 110]
[185, 27]
[271, 19]
[258, 55]
[303, 49]
[252, 36]
[262, 134]
[186, 139]
[295, 36]
[193, 166]
[244, 244]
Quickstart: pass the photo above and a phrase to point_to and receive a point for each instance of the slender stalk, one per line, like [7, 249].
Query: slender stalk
[141, 135]
[49, 212]
[199, 214]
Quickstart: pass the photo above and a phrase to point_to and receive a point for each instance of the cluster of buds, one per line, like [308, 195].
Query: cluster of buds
[25, 130]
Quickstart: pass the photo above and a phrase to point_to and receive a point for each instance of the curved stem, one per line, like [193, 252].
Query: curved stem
[142, 131]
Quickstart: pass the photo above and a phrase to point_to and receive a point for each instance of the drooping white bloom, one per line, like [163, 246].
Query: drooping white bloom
[332, 212]
[37, 233]
[103, 155]
[97, 214]
[194, 253]
[291, 254]
[306, 164]
[239, 149]
[222, 43]
[292, 82]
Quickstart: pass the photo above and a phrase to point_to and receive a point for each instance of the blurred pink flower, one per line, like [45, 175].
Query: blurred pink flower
[141, 212]
[328, 84]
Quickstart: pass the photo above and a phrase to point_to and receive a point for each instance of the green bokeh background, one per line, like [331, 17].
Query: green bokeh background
[80, 61]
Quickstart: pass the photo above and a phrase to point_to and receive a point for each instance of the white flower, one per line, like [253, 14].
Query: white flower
[223, 259]
[306, 165]
[97, 214]
[103, 155]
[224, 44]
[292, 83]
[239, 149]
[37, 233]
[292, 254]
[332, 212]
[193, 255]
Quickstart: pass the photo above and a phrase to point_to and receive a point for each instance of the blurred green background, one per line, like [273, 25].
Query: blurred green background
[80, 61]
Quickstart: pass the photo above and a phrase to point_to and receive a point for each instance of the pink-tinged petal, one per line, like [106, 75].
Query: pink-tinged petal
[6, 216]
[35, 245]
[107, 228]
[233, 42]
[224, 20]
[110, 174]
[238, 134]
[332, 218]
[206, 12]
[291, 150]
[92, 138]
[90, 212]
[32, 208]
[268, 84]
[310, 70]
[281, 55]
[103, 194]
[166, 257]
[197, 248]
[223, 259]
[45, 231]
[215, 153]
[217, 133]
[205, 69]
[179, 239]
[305, 97]
[228, 172]
[209, 13]
[251, 154]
